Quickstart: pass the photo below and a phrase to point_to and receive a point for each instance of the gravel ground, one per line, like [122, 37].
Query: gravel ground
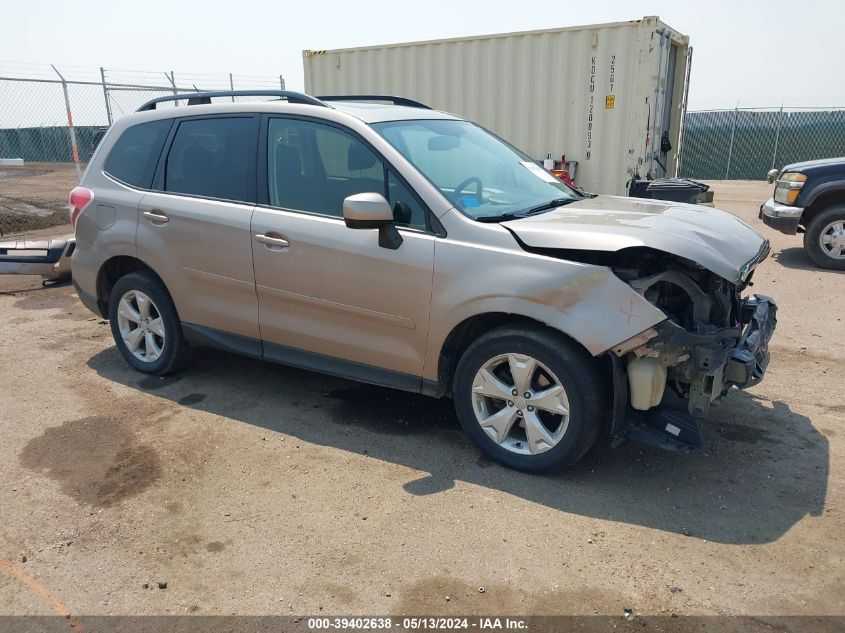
[251, 488]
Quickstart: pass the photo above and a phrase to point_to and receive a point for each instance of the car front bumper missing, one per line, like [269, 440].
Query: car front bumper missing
[749, 359]
[702, 368]
[713, 363]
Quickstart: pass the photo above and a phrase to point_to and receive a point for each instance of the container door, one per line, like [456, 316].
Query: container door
[666, 115]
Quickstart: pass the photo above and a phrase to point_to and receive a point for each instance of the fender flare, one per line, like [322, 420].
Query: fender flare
[822, 189]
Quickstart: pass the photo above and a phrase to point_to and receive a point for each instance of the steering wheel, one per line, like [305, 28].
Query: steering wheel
[479, 187]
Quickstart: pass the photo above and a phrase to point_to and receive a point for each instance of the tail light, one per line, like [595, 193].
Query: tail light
[79, 198]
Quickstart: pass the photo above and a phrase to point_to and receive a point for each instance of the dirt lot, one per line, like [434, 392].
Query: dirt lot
[35, 196]
[251, 488]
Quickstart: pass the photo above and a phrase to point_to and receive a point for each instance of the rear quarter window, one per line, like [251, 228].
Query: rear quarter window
[134, 156]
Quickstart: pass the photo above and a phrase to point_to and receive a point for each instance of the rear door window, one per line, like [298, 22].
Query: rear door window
[214, 158]
[134, 156]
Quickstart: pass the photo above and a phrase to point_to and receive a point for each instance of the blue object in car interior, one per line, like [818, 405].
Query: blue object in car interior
[469, 202]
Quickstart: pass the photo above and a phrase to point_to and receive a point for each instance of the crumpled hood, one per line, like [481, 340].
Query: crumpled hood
[717, 240]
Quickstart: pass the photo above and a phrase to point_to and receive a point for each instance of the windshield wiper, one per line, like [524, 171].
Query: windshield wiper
[546, 206]
[540, 208]
[502, 217]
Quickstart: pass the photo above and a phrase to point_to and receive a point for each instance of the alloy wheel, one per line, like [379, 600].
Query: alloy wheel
[520, 404]
[141, 326]
[832, 239]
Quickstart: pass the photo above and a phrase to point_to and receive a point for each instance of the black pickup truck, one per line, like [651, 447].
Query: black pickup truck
[809, 198]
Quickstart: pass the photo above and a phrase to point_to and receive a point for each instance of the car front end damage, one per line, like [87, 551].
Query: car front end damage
[692, 263]
[713, 339]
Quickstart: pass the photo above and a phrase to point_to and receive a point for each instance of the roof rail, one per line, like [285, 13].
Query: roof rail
[197, 98]
[400, 101]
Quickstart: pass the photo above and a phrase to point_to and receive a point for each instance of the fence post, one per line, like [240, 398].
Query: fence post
[282, 82]
[731, 147]
[232, 86]
[777, 136]
[43, 145]
[106, 94]
[172, 79]
[71, 130]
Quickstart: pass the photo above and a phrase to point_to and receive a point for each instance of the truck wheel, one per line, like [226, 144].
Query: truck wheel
[531, 399]
[824, 240]
[145, 325]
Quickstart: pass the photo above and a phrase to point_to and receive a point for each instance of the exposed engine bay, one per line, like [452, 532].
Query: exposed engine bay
[692, 297]
[713, 339]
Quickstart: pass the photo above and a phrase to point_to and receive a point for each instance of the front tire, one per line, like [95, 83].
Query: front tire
[145, 325]
[529, 397]
[824, 240]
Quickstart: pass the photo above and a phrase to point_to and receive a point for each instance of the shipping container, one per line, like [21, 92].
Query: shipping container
[609, 96]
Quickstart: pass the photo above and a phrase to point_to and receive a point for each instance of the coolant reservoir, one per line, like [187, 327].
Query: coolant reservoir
[647, 380]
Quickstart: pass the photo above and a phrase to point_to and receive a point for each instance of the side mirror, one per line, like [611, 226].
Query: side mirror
[372, 211]
[772, 175]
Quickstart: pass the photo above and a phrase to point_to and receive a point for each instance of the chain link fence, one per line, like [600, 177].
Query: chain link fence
[744, 144]
[51, 120]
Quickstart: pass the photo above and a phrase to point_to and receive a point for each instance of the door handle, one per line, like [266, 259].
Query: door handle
[272, 241]
[156, 216]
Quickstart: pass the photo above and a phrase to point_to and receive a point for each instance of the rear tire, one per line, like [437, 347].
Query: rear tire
[828, 226]
[145, 325]
[529, 433]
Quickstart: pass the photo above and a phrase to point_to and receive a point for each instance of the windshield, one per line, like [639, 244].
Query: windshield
[479, 173]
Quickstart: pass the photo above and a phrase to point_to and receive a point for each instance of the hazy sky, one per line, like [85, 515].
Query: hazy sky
[754, 53]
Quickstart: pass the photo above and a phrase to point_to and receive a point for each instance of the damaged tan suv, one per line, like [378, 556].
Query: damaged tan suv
[379, 240]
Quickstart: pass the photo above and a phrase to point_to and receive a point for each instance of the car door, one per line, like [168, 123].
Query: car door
[194, 228]
[330, 298]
